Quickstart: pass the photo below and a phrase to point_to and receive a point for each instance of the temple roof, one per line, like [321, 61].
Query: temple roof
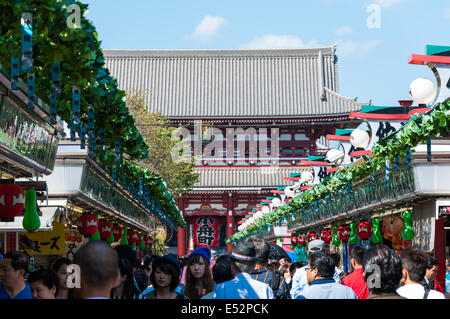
[234, 84]
[245, 178]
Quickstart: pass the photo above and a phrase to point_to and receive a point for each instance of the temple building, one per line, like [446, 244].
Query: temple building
[253, 118]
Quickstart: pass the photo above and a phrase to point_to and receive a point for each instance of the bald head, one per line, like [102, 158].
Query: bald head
[98, 263]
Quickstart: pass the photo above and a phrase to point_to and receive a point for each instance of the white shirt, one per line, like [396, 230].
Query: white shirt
[243, 286]
[417, 291]
[300, 281]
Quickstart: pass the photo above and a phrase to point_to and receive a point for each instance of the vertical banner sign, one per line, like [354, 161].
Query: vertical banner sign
[91, 131]
[31, 91]
[56, 79]
[206, 232]
[117, 151]
[102, 140]
[76, 101]
[408, 157]
[15, 70]
[52, 109]
[429, 150]
[27, 43]
[83, 137]
[141, 187]
[56, 91]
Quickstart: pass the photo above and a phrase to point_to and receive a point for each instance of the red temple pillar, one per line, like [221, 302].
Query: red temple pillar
[230, 220]
[181, 233]
[439, 254]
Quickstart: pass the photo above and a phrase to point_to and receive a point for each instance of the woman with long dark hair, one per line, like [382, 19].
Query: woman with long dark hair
[127, 288]
[60, 268]
[199, 280]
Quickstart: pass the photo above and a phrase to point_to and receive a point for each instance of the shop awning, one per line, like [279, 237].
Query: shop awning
[46, 221]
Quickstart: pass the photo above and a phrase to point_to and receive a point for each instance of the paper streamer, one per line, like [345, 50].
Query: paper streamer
[27, 41]
[31, 91]
[15, 71]
[76, 101]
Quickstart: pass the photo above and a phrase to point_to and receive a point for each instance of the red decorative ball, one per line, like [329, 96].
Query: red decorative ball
[117, 232]
[364, 229]
[344, 233]
[132, 237]
[326, 235]
[12, 201]
[105, 229]
[87, 224]
[302, 239]
[312, 236]
[294, 241]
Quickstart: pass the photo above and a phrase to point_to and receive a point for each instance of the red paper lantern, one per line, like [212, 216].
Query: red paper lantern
[139, 238]
[148, 242]
[12, 201]
[294, 242]
[312, 236]
[344, 233]
[105, 229]
[364, 229]
[87, 224]
[302, 239]
[132, 237]
[326, 236]
[117, 232]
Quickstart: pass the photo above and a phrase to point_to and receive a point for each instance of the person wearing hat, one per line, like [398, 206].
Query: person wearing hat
[165, 278]
[300, 280]
[243, 286]
[199, 281]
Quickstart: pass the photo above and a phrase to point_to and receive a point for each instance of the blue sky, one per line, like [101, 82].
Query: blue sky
[374, 38]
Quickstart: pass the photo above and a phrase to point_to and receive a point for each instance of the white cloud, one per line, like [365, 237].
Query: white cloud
[344, 30]
[386, 3]
[447, 13]
[271, 41]
[209, 26]
[352, 48]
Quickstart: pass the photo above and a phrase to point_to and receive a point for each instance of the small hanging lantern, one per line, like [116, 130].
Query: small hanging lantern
[364, 230]
[31, 220]
[312, 236]
[294, 241]
[124, 239]
[105, 229]
[12, 201]
[302, 240]
[117, 232]
[87, 224]
[344, 233]
[326, 236]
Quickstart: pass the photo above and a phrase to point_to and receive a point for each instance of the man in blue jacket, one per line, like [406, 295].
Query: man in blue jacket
[322, 285]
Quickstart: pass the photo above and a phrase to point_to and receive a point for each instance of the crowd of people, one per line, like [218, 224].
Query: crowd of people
[247, 272]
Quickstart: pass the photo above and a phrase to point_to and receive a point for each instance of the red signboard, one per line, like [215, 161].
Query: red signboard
[206, 232]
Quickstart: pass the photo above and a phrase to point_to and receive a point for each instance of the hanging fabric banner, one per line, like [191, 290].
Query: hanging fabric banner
[27, 41]
[83, 137]
[15, 71]
[31, 91]
[206, 233]
[102, 140]
[76, 105]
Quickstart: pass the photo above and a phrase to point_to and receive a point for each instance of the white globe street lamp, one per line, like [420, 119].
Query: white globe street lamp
[359, 138]
[422, 91]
